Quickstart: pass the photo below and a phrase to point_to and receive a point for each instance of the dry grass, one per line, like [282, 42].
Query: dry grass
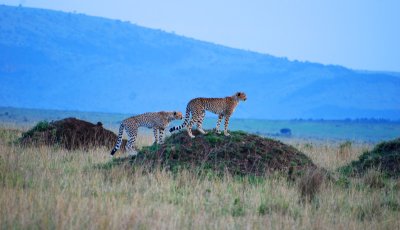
[330, 154]
[53, 188]
[310, 184]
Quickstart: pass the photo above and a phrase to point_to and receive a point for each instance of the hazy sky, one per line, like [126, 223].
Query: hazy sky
[359, 34]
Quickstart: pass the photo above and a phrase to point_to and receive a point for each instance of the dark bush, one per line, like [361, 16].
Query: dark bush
[385, 157]
[310, 184]
[285, 132]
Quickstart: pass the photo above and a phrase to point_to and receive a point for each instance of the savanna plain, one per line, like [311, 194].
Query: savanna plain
[49, 187]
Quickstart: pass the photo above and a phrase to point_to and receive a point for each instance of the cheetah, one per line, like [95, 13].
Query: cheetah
[224, 107]
[158, 121]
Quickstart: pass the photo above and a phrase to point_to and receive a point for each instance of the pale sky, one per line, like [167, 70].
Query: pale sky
[358, 34]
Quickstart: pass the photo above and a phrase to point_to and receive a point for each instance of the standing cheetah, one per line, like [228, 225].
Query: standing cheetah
[158, 121]
[224, 107]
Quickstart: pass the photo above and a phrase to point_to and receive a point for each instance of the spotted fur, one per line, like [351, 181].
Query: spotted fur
[157, 121]
[224, 107]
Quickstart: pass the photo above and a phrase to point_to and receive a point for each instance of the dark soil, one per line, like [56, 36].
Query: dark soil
[69, 133]
[384, 157]
[239, 154]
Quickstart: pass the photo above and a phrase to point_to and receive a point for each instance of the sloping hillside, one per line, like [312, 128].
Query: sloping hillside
[59, 60]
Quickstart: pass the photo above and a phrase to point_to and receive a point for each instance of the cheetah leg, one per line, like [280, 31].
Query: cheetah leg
[189, 129]
[200, 123]
[226, 125]
[130, 146]
[220, 116]
[161, 140]
[155, 131]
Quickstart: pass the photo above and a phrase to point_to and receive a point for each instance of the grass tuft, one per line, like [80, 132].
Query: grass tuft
[310, 184]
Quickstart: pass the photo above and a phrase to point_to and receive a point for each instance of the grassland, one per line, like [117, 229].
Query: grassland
[46, 187]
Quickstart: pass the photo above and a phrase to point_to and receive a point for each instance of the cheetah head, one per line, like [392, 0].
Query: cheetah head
[241, 96]
[177, 115]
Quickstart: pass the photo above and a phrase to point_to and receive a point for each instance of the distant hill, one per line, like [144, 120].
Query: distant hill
[69, 61]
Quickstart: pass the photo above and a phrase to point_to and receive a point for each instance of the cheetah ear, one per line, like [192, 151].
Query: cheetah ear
[174, 113]
[238, 94]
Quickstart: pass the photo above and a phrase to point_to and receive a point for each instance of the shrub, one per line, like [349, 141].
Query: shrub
[345, 149]
[41, 126]
[310, 184]
[285, 132]
[385, 156]
[374, 179]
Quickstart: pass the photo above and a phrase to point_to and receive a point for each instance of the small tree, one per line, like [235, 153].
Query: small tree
[285, 132]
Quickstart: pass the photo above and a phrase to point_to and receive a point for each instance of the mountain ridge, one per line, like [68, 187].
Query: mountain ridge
[57, 60]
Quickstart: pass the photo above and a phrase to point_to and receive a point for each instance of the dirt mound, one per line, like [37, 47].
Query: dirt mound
[384, 157]
[69, 133]
[240, 153]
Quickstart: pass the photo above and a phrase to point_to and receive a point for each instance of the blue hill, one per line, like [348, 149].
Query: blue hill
[68, 61]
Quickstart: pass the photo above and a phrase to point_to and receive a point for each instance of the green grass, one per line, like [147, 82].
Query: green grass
[41, 126]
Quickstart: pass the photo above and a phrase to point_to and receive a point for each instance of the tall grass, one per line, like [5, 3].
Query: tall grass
[53, 188]
[330, 154]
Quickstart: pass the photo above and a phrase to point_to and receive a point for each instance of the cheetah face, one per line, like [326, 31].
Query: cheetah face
[241, 96]
[178, 115]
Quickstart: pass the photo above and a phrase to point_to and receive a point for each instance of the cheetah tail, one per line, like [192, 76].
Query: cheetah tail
[119, 140]
[185, 122]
